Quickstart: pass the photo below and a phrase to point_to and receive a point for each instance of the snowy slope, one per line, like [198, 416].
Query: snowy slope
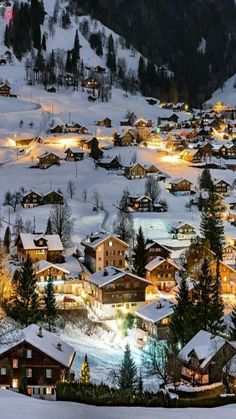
[227, 94]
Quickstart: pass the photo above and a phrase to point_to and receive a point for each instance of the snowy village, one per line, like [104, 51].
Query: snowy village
[117, 219]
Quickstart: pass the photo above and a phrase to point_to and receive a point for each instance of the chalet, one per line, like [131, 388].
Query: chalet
[24, 142]
[204, 357]
[91, 83]
[109, 163]
[229, 252]
[155, 317]
[205, 151]
[128, 138]
[69, 79]
[44, 247]
[222, 187]
[152, 170]
[45, 270]
[140, 203]
[183, 231]
[31, 199]
[231, 151]
[102, 250]
[136, 171]
[113, 290]
[143, 123]
[162, 273]
[227, 277]
[53, 198]
[5, 90]
[45, 357]
[48, 159]
[58, 129]
[154, 250]
[72, 128]
[106, 122]
[74, 154]
[172, 118]
[192, 155]
[180, 186]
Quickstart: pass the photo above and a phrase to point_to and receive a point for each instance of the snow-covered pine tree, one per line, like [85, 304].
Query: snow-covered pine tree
[127, 378]
[85, 371]
[140, 254]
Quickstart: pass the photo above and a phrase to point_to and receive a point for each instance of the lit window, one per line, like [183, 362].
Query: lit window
[49, 390]
[3, 371]
[48, 373]
[29, 353]
[15, 383]
[110, 243]
[15, 363]
[29, 372]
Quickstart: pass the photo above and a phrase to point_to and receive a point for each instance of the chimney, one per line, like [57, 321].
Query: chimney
[59, 346]
[105, 273]
[40, 332]
[159, 304]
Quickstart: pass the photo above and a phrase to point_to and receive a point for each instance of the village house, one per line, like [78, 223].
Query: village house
[53, 198]
[91, 83]
[48, 159]
[39, 247]
[205, 151]
[5, 90]
[183, 231]
[140, 203]
[31, 199]
[191, 155]
[112, 291]
[204, 357]
[128, 138]
[143, 123]
[109, 163]
[45, 270]
[227, 277]
[45, 357]
[106, 122]
[222, 187]
[155, 317]
[154, 250]
[180, 186]
[152, 170]
[162, 273]
[58, 129]
[74, 154]
[229, 252]
[135, 171]
[102, 250]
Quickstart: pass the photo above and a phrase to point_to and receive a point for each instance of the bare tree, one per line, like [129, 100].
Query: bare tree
[71, 188]
[12, 199]
[96, 199]
[152, 188]
[62, 222]
[18, 226]
[85, 194]
[155, 360]
[124, 226]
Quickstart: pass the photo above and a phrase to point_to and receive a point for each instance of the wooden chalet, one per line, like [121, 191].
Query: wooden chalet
[31, 199]
[128, 138]
[152, 170]
[205, 151]
[227, 276]
[191, 155]
[53, 198]
[58, 129]
[39, 247]
[183, 231]
[180, 186]
[106, 122]
[155, 317]
[5, 90]
[91, 83]
[136, 171]
[45, 357]
[140, 203]
[74, 154]
[229, 252]
[204, 357]
[222, 187]
[162, 273]
[143, 123]
[154, 250]
[113, 291]
[102, 250]
[109, 163]
[45, 270]
[48, 159]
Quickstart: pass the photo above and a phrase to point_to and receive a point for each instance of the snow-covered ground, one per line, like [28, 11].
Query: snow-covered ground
[22, 407]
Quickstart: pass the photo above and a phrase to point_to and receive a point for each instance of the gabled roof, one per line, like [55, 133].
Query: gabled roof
[50, 192]
[43, 265]
[46, 153]
[34, 192]
[216, 181]
[178, 180]
[111, 274]
[74, 150]
[47, 344]
[180, 224]
[156, 310]
[204, 345]
[95, 240]
[28, 241]
[149, 245]
[158, 261]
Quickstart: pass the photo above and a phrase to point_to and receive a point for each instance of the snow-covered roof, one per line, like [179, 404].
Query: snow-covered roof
[45, 154]
[111, 274]
[148, 245]
[42, 265]
[158, 261]
[53, 241]
[56, 192]
[205, 346]
[48, 344]
[180, 224]
[156, 310]
[96, 239]
[178, 180]
[32, 191]
[216, 181]
[74, 150]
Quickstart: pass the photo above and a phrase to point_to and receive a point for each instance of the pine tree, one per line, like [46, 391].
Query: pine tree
[25, 306]
[140, 383]
[85, 372]
[127, 377]
[111, 56]
[49, 227]
[140, 254]
[207, 301]
[44, 46]
[77, 46]
[233, 324]
[7, 239]
[212, 227]
[6, 37]
[23, 382]
[181, 327]
[50, 308]
[205, 182]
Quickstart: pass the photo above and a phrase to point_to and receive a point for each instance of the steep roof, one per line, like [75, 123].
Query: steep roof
[47, 344]
[156, 310]
[95, 240]
[178, 180]
[53, 241]
[158, 261]
[111, 274]
[42, 265]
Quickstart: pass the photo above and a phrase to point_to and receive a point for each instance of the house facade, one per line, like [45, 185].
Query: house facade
[48, 159]
[155, 317]
[162, 273]
[140, 203]
[31, 199]
[180, 186]
[44, 247]
[183, 231]
[74, 154]
[137, 171]
[154, 250]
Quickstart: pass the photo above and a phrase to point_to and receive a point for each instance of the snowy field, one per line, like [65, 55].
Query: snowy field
[22, 407]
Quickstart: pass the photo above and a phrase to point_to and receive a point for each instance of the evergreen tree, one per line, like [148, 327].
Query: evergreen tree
[6, 37]
[7, 239]
[49, 227]
[233, 324]
[44, 46]
[207, 301]
[211, 226]
[25, 306]
[127, 377]
[76, 46]
[85, 372]
[180, 327]
[23, 382]
[140, 383]
[111, 56]
[141, 72]
[205, 182]
[50, 308]
[140, 254]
